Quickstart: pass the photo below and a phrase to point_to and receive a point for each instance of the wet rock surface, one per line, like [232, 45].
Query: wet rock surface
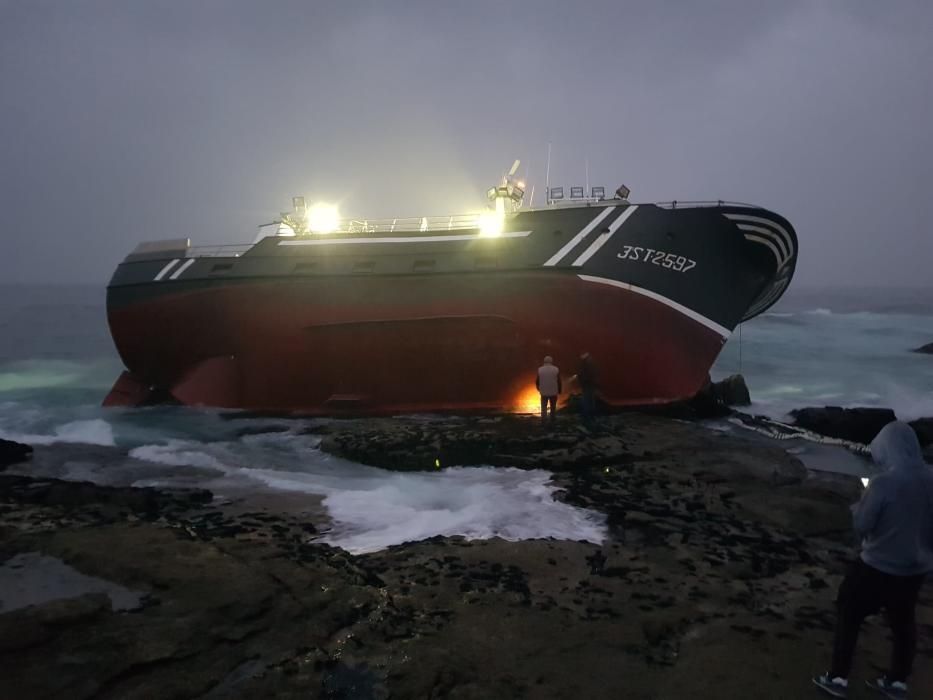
[12, 453]
[718, 576]
[853, 424]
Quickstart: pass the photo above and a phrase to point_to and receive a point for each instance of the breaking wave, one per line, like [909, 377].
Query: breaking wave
[88, 432]
[371, 508]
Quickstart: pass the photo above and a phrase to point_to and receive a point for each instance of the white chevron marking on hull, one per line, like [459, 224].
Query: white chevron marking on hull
[570, 245]
[768, 233]
[164, 270]
[771, 227]
[769, 243]
[603, 237]
[177, 273]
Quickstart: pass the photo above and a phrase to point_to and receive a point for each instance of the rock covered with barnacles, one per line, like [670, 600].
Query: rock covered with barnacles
[716, 547]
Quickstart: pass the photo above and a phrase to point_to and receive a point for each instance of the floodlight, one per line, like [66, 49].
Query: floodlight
[323, 218]
[490, 224]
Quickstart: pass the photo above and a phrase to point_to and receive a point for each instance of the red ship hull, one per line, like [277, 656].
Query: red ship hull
[391, 345]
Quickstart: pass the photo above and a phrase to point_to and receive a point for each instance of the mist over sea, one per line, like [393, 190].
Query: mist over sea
[57, 362]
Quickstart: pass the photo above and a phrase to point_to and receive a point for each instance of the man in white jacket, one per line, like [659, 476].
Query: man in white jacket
[894, 520]
[548, 383]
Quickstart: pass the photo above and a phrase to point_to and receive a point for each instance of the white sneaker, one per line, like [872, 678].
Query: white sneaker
[892, 689]
[837, 687]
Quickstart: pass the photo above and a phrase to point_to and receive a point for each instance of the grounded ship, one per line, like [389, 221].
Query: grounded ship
[328, 316]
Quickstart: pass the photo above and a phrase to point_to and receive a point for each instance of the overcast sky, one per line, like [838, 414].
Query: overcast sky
[125, 121]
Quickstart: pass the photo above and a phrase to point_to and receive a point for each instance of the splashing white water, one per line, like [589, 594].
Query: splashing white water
[89, 432]
[372, 508]
[473, 502]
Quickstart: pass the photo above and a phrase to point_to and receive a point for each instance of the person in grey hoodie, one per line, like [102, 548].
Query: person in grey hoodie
[894, 520]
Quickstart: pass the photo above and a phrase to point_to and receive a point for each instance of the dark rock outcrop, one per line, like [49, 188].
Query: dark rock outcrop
[13, 453]
[413, 445]
[731, 391]
[68, 495]
[925, 349]
[712, 401]
[854, 424]
[924, 429]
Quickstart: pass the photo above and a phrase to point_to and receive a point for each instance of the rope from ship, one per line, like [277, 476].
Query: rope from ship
[782, 431]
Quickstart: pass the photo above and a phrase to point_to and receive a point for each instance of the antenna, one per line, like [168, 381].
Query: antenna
[524, 183]
[547, 176]
[586, 166]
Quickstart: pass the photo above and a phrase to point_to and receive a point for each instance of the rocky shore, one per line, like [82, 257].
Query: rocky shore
[716, 579]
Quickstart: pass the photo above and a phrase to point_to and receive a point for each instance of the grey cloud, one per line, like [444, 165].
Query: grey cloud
[128, 121]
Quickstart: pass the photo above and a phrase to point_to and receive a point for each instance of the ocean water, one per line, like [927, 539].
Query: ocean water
[837, 347]
[57, 362]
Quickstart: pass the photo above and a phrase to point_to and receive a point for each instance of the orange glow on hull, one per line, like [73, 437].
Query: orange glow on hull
[527, 401]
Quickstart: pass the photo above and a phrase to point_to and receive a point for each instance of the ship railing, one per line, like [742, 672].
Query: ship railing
[704, 203]
[455, 222]
[218, 251]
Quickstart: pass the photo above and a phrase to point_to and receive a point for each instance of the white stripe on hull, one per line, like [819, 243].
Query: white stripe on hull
[177, 273]
[768, 233]
[770, 244]
[164, 270]
[603, 237]
[690, 313]
[408, 239]
[768, 299]
[773, 228]
[597, 220]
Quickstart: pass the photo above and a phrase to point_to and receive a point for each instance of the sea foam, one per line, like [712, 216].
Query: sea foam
[371, 508]
[89, 432]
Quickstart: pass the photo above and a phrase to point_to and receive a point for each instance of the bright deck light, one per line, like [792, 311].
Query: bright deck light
[491, 223]
[323, 218]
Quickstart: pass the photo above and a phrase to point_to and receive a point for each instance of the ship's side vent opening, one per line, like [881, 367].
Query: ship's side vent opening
[362, 267]
[486, 262]
[424, 265]
[222, 267]
[303, 267]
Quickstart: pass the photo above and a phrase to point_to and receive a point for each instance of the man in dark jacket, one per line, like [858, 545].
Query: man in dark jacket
[586, 378]
[895, 521]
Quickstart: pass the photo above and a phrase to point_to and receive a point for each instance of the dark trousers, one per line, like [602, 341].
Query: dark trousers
[588, 404]
[865, 591]
[545, 400]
